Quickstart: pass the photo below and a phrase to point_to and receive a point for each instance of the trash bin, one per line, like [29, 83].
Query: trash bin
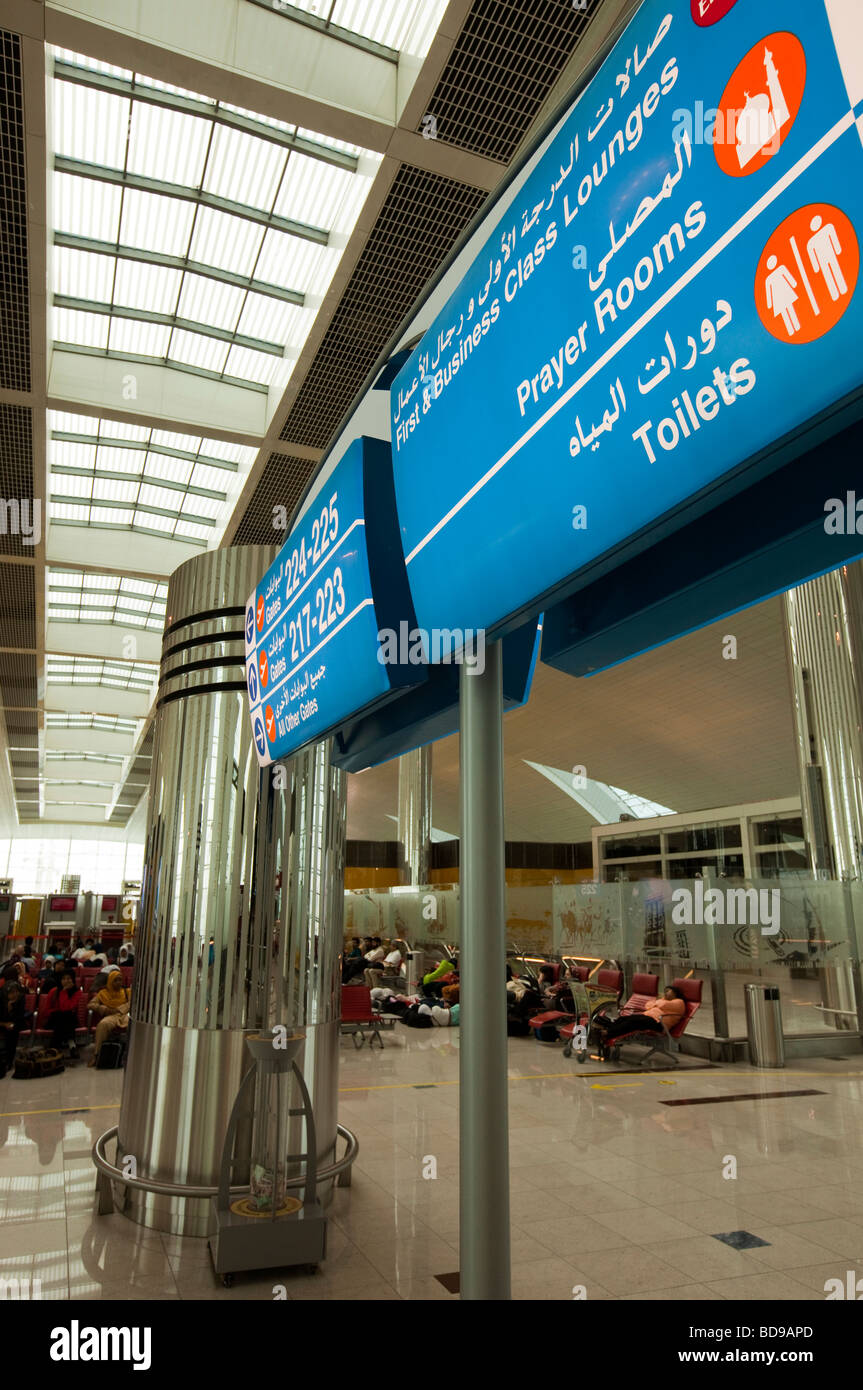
[764, 1026]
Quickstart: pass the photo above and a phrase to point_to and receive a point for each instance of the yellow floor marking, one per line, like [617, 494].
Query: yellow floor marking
[66, 1110]
[624, 1086]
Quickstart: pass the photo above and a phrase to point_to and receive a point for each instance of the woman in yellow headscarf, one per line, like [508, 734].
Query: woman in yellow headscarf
[112, 1003]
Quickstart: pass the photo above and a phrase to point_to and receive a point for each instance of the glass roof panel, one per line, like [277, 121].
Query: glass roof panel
[195, 350]
[230, 243]
[83, 275]
[153, 223]
[71, 485]
[193, 531]
[161, 497]
[85, 330]
[128, 335]
[110, 490]
[249, 365]
[269, 319]
[68, 511]
[152, 287]
[244, 168]
[311, 191]
[85, 208]
[206, 301]
[73, 455]
[178, 470]
[90, 125]
[169, 145]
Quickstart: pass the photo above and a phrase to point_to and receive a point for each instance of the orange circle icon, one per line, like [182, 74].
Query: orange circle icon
[270, 721]
[807, 274]
[260, 613]
[759, 104]
[263, 667]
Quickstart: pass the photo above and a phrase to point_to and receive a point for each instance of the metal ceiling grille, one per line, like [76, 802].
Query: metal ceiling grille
[17, 504]
[136, 781]
[14, 303]
[17, 606]
[18, 680]
[421, 218]
[507, 58]
[22, 728]
[282, 483]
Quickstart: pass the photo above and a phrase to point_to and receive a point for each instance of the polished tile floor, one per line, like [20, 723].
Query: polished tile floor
[613, 1191]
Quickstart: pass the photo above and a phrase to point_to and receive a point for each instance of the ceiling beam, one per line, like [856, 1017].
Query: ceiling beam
[207, 110]
[141, 183]
[205, 330]
[69, 242]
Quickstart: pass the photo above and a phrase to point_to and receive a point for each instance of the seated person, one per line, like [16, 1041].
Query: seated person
[353, 961]
[85, 952]
[52, 977]
[390, 965]
[376, 952]
[63, 1013]
[12, 1017]
[667, 1010]
[112, 1004]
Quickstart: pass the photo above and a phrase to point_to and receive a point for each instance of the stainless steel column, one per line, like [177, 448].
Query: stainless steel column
[222, 946]
[824, 629]
[415, 798]
[484, 1260]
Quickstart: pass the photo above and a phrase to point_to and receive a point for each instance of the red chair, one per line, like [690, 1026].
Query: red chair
[666, 1042]
[611, 980]
[357, 1013]
[645, 989]
[126, 971]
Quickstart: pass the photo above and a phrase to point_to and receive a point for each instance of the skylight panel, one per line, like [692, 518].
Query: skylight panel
[231, 243]
[162, 466]
[244, 167]
[130, 335]
[147, 521]
[80, 60]
[71, 455]
[119, 460]
[85, 208]
[155, 223]
[249, 365]
[269, 319]
[110, 490]
[168, 145]
[152, 287]
[200, 506]
[90, 125]
[82, 274]
[226, 449]
[311, 191]
[189, 530]
[84, 330]
[194, 350]
[286, 260]
[113, 429]
[68, 511]
[70, 485]
[207, 301]
[160, 497]
[204, 476]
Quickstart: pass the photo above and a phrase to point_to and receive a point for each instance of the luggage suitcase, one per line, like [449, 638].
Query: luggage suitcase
[110, 1056]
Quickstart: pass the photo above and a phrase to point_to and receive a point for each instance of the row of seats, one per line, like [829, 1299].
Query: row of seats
[86, 974]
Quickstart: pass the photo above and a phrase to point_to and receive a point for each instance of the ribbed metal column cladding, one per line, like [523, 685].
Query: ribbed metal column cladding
[824, 628]
[415, 815]
[241, 912]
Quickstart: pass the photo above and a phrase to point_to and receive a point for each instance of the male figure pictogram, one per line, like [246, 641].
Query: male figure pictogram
[824, 250]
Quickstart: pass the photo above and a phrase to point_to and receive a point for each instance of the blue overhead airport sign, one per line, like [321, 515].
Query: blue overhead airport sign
[312, 624]
[674, 287]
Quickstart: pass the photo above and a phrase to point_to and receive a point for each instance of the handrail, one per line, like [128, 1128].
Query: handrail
[174, 1189]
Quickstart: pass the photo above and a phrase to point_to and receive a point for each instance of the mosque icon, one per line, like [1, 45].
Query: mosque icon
[762, 117]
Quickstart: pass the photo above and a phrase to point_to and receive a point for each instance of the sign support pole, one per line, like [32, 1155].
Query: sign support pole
[484, 1246]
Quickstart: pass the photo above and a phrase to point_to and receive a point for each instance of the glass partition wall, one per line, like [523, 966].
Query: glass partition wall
[795, 931]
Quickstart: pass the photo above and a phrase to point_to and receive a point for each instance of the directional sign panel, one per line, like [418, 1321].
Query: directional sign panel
[312, 624]
[674, 288]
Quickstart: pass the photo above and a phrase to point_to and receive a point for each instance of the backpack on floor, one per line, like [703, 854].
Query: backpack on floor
[110, 1056]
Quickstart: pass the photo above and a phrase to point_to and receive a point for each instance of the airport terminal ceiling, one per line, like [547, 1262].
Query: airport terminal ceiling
[229, 241]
